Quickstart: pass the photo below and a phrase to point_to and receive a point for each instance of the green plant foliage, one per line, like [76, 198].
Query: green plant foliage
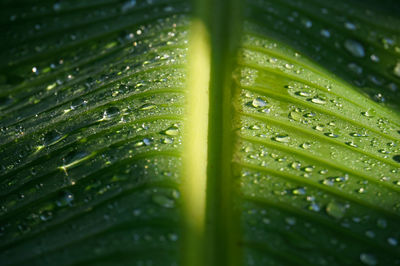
[304, 132]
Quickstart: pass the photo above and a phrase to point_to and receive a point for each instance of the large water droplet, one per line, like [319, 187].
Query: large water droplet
[355, 48]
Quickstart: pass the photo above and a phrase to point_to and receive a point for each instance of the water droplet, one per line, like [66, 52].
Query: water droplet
[369, 113]
[351, 144]
[51, 137]
[325, 33]
[290, 220]
[335, 209]
[147, 106]
[368, 259]
[258, 103]
[374, 58]
[74, 156]
[77, 103]
[65, 199]
[355, 48]
[171, 131]
[318, 100]
[331, 135]
[110, 112]
[381, 223]
[396, 69]
[397, 158]
[307, 23]
[299, 191]
[282, 138]
[295, 116]
[370, 234]
[305, 145]
[350, 26]
[392, 241]
[353, 67]
[163, 201]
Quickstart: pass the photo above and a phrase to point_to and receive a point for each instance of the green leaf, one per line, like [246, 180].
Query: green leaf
[165, 132]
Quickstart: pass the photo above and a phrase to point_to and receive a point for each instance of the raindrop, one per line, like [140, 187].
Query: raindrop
[65, 199]
[77, 103]
[368, 259]
[331, 135]
[51, 137]
[397, 158]
[392, 241]
[396, 69]
[335, 209]
[369, 113]
[350, 26]
[147, 106]
[282, 138]
[172, 131]
[325, 33]
[355, 48]
[318, 100]
[110, 112]
[258, 103]
[163, 201]
[295, 116]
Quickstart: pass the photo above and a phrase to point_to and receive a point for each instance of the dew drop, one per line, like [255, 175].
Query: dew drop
[110, 112]
[397, 158]
[355, 48]
[335, 209]
[325, 33]
[392, 241]
[172, 131]
[258, 103]
[163, 201]
[318, 100]
[65, 199]
[295, 116]
[282, 138]
[51, 137]
[147, 106]
[331, 135]
[396, 69]
[368, 259]
[350, 26]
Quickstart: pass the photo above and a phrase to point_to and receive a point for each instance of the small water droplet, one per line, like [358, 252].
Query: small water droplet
[350, 26]
[397, 158]
[147, 106]
[51, 137]
[318, 100]
[163, 201]
[369, 113]
[355, 48]
[110, 112]
[396, 69]
[290, 220]
[258, 103]
[392, 241]
[331, 135]
[282, 138]
[171, 131]
[335, 209]
[65, 199]
[368, 259]
[325, 33]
